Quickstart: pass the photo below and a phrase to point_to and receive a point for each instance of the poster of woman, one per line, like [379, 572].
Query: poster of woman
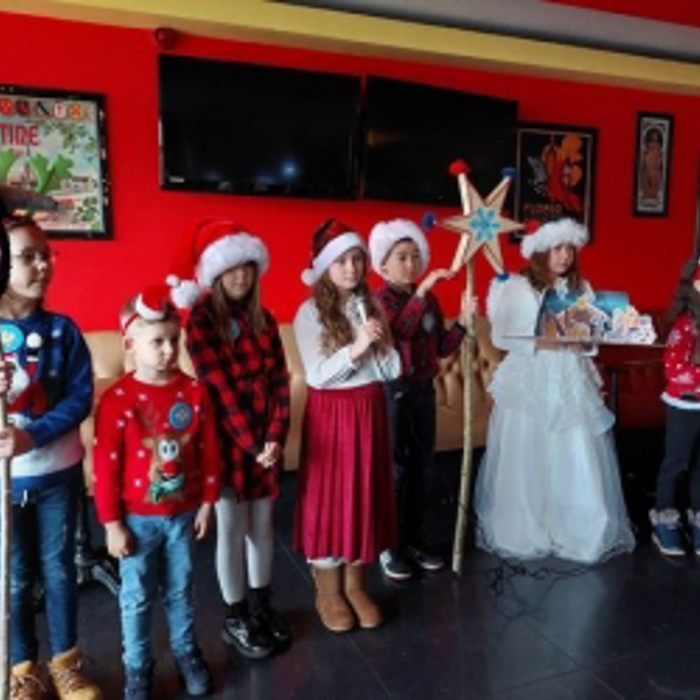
[653, 162]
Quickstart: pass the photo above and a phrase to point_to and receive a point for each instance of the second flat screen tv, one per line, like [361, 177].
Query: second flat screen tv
[243, 128]
[413, 132]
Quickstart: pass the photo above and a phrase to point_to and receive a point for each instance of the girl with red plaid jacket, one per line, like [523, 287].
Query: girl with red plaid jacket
[237, 353]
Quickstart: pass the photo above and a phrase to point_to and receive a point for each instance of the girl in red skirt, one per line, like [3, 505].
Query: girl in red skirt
[345, 513]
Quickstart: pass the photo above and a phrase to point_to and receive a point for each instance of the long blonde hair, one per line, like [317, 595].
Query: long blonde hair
[250, 306]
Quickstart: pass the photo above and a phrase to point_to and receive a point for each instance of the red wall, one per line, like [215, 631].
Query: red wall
[93, 278]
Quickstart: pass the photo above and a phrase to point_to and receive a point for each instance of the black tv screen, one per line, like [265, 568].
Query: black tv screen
[413, 132]
[249, 129]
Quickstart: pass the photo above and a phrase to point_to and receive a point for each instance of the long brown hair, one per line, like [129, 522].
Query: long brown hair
[221, 306]
[686, 299]
[337, 330]
[540, 276]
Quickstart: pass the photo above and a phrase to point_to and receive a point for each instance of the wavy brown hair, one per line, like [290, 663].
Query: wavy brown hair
[540, 276]
[337, 330]
[686, 300]
[221, 306]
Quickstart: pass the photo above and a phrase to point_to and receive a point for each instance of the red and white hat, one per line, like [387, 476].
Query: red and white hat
[330, 241]
[218, 245]
[386, 234]
[552, 234]
[153, 304]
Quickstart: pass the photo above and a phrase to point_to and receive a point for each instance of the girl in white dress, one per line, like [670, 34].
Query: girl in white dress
[549, 481]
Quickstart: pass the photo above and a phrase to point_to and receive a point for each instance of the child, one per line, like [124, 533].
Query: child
[400, 254]
[549, 481]
[49, 393]
[682, 399]
[156, 480]
[237, 352]
[345, 513]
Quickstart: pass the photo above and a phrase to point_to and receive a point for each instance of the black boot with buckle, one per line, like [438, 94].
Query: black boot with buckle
[242, 631]
[261, 609]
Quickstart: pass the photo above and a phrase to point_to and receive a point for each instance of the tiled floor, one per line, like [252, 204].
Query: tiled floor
[626, 629]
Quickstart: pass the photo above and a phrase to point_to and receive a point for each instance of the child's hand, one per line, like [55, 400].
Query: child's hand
[432, 279]
[14, 441]
[202, 521]
[270, 454]
[367, 333]
[120, 541]
[6, 370]
[469, 306]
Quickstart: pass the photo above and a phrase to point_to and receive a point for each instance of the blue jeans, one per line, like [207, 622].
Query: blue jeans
[162, 559]
[43, 548]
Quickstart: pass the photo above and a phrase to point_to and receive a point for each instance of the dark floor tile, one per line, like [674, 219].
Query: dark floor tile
[672, 671]
[571, 686]
[445, 640]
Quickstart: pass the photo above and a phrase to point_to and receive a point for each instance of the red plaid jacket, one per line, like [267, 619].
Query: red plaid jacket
[249, 386]
[419, 332]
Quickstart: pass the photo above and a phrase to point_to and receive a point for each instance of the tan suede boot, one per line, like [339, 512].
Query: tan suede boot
[25, 682]
[69, 682]
[333, 609]
[365, 608]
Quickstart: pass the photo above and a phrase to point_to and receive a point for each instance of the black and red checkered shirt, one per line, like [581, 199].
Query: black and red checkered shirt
[418, 327]
[249, 386]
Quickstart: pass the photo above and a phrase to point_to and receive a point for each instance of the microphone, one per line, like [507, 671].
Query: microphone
[361, 308]
[18, 198]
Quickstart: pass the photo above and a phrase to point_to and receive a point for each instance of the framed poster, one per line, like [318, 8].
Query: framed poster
[652, 164]
[556, 173]
[53, 142]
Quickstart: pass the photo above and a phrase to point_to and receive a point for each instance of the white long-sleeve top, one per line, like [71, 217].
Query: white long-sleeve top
[337, 370]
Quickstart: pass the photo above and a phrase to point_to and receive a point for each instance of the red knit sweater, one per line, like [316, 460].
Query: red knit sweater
[156, 450]
[682, 374]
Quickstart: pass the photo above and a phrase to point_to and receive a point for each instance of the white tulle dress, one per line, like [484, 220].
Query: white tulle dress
[549, 482]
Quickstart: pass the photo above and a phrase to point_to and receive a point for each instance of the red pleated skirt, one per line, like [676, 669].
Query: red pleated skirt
[345, 497]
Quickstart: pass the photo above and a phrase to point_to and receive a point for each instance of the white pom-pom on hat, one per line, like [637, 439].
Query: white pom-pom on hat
[386, 234]
[552, 234]
[184, 293]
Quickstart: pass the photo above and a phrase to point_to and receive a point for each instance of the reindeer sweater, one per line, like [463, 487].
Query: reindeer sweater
[156, 450]
[50, 395]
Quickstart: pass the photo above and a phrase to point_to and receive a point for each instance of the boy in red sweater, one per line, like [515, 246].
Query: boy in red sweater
[157, 478]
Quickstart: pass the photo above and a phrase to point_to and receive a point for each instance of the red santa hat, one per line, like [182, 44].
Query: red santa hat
[386, 234]
[330, 241]
[552, 234]
[218, 245]
[153, 304]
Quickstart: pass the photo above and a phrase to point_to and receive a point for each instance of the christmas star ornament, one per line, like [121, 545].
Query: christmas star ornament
[481, 221]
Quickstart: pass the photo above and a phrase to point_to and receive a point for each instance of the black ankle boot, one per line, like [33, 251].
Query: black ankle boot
[242, 631]
[261, 609]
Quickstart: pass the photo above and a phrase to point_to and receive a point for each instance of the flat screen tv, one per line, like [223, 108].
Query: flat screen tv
[413, 132]
[243, 128]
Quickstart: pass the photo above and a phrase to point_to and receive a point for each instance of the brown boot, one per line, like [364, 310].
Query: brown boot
[333, 609]
[365, 608]
[25, 682]
[69, 682]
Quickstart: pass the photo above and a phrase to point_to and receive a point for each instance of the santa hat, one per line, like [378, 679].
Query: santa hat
[218, 245]
[386, 234]
[552, 234]
[153, 304]
[329, 242]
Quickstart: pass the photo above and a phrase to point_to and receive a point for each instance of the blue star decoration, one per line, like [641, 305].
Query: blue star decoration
[481, 222]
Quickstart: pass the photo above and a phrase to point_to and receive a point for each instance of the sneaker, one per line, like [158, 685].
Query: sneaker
[194, 673]
[137, 683]
[667, 534]
[25, 682]
[425, 559]
[394, 565]
[242, 631]
[694, 524]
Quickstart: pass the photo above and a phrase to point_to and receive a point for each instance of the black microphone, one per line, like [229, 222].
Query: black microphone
[18, 198]
[361, 308]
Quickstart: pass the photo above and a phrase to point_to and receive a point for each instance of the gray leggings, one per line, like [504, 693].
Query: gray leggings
[240, 527]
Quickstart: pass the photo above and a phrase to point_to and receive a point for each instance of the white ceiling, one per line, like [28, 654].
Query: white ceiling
[539, 20]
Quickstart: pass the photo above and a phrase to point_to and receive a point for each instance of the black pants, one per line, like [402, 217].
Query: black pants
[682, 453]
[412, 412]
